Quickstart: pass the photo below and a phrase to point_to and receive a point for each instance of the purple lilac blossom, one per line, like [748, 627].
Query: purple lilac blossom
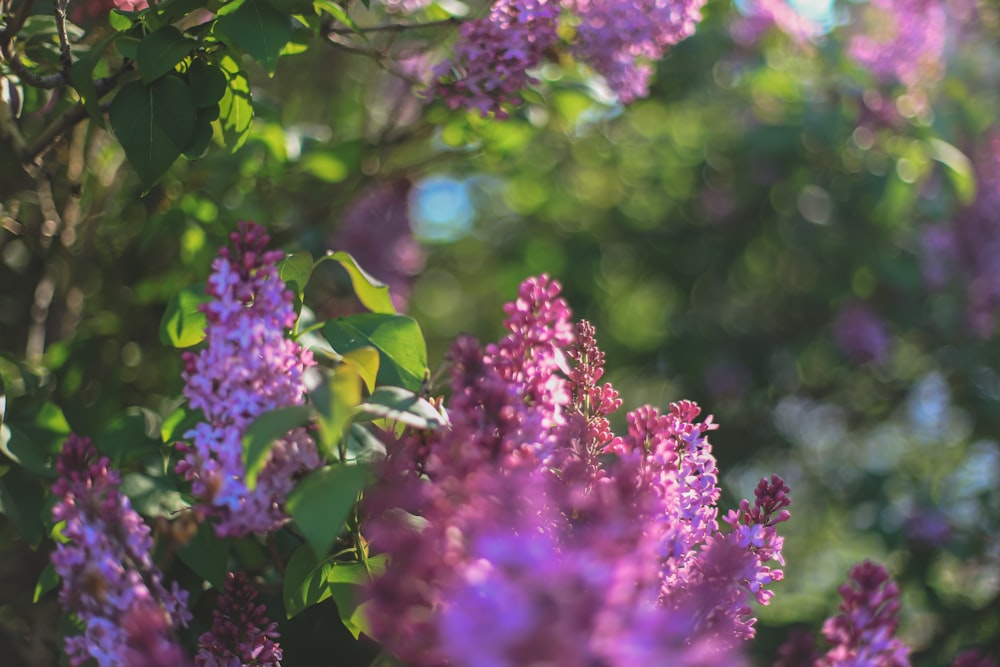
[861, 334]
[862, 634]
[375, 229]
[904, 40]
[620, 39]
[798, 650]
[247, 368]
[973, 658]
[506, 545]
[492, 57]
[241, 634]
[966, 249]
[109, 580]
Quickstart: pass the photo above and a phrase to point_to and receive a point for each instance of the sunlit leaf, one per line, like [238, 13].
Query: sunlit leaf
[401, 347]
[183, 323]
[371, 292]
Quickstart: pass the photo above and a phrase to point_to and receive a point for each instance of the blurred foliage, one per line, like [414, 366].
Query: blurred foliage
[711, 233]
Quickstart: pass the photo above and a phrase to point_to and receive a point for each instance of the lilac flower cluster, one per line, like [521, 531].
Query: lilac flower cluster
[862, 634]
[241, 633]
[533, 547]
[248, 367]
[904, 40]
[108, 577]
[492, 57]
[861, 334]
[967, 248]
[620, 40]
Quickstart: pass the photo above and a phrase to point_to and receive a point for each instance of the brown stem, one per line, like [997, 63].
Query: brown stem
[16, 22]
[65, 52]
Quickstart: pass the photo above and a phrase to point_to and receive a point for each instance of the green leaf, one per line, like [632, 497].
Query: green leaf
[364, 362]
[207, 555]
[128, 46]
[401, 347]
[23, 498]
[160, 51]
[335, 399]
[295, 270]
[33, 435]
[323, 500]
[305, 581]
[339, 13]
[260, 436]
[259, 30]
[352, 608]
[128, 439]
[179, 422]
[47, 580]
[960, 169]
[207, 83]
[183, 324]
[402, 406]
[81, 76]
[202, 134]
[120, 21]
[153, 124]
[373, 294]
[363, 446]
[236, 106]
[152, 496]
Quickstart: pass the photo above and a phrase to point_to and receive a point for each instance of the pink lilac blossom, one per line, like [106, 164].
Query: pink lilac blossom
[904, 40]
[862, 634]
[513, 539]
[967, 248]
[489, 68]
[375, 229]
[109, 579]
[761, 15]
[247, 368]
[861, 334]
[620, 39]
[241, 634]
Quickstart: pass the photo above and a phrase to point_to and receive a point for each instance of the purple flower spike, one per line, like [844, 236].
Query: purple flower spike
[248, 367]
[620, 38]
[241, 634]
[493, 55]
[108, 577]
[862, 634]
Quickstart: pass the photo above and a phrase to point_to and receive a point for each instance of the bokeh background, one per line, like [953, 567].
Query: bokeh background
[798, 233]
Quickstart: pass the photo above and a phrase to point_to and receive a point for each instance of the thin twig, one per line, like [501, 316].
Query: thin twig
[391, 27]
[65, 52]
[17, 22]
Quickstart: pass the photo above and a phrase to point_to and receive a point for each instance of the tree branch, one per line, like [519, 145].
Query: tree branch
[25, 74]
[72, 116]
